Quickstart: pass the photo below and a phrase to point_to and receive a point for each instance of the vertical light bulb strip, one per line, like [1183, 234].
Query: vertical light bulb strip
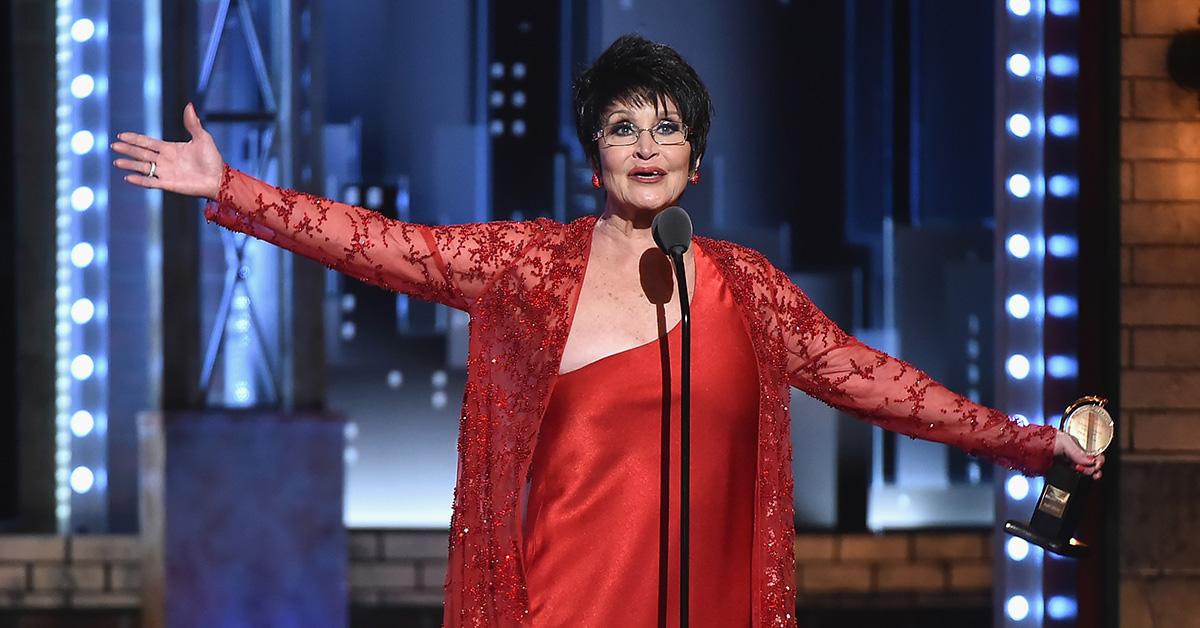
[81, 276]
[1020, 237]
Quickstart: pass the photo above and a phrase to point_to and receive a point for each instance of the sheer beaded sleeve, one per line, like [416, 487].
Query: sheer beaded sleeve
[835, 367]
[448, 264]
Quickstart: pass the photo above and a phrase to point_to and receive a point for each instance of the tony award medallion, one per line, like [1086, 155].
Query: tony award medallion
[1065, 494]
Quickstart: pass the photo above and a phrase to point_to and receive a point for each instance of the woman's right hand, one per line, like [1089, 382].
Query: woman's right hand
[194, 168]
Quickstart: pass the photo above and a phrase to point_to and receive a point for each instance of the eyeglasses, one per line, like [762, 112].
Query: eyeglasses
[665, 133]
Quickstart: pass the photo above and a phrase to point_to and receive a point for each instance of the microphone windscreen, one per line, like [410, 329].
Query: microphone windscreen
[672, 229]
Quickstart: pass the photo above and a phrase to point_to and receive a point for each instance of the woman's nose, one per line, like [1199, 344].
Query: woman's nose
[646, 146]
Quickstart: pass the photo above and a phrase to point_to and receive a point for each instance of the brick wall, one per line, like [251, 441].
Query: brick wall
[407, 568]
[897, 563]
[1160, 323]
[70, 572]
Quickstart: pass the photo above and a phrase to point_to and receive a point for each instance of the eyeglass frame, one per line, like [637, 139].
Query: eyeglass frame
[687, 130]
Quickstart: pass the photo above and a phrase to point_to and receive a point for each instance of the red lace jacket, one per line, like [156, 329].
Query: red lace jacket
[519, 281]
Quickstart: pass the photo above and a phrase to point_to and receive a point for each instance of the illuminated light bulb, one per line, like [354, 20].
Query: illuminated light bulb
[1018, 246]
[1061, 306]
[1019, 125]
[1062, 245]
[1018, 306]
[82, 30]
[82, 423]
[82, 366]
[1061, 607]
[83, 85]
[82, 142]
[82, 255]
[82, 198]
[1017, 487]
[1017, 548]
[1019, 65]
[1019, 8]
[82, 479]
[1018, 366]
[1019, 185]
[1062, 185]
[1017, 607]
[1063, 125]
[1064, 7]
[1062, 65]
[1062, 366]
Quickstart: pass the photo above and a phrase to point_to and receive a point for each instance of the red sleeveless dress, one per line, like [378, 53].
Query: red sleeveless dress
[601, 538]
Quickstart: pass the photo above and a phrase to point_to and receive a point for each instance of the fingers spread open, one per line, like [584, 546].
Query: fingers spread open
[140, 167]
[144, 181]
[137, 152]
[144, 141]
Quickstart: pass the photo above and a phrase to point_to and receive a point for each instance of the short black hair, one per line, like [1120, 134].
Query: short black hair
[636, 71]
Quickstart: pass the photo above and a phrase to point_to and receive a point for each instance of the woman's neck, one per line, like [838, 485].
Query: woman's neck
[628, 224]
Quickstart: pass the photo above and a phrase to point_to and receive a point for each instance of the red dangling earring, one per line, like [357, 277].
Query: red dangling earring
[596, 180]
[695, 178]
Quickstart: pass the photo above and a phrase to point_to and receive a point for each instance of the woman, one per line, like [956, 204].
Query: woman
[568, 381]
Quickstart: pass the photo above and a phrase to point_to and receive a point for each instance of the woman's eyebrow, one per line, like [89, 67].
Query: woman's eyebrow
[629, 114]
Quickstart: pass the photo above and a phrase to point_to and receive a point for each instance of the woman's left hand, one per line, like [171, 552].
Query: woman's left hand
[1066, 446]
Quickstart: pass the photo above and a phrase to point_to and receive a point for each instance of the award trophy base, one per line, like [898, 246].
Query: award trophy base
[1057, 513]
[1073, 548]
[1052, 526]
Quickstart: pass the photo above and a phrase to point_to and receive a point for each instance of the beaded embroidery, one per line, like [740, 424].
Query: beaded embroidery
[519, 281]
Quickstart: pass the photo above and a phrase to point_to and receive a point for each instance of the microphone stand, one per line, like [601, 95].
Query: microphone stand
[685, 427]
[672, 229]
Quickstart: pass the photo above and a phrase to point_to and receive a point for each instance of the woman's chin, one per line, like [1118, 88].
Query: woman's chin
[652, 203]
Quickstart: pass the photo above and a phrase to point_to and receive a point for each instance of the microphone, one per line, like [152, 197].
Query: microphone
[672, 229]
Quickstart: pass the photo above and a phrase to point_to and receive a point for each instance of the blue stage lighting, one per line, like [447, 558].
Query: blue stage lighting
[82, 30]
[1061, 306]
[1019, 125]
[1019, 8]
[82, 86]
[1016, 548]
[1018, 306]
[1017, 366]
[1017, 607]
[1018, 246]
[1062, 65]
[1019, 185]
[1062, 125]
[1018, 487]
[1061, 366]
[1019, 65]
[82, 142]
[82, 479]
[1062, 245]
[1063, 185]
[1062, 607]
[82, 198]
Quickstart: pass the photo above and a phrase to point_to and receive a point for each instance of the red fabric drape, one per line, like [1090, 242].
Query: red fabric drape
[519, 282]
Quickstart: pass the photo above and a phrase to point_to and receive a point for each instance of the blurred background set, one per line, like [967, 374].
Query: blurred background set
[201, 430]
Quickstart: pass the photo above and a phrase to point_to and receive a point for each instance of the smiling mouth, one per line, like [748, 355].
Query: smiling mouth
[648, 176]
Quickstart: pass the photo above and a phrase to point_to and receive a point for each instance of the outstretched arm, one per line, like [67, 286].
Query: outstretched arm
[833, 366]
[447, 264]
[444, 264]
